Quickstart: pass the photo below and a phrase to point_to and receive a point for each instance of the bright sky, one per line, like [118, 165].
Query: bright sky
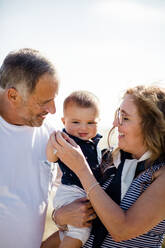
[103, 46]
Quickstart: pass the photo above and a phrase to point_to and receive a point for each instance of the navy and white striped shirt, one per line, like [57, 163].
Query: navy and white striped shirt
[151, 239]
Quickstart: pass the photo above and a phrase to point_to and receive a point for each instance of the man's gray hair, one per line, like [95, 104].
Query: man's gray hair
[22, 69]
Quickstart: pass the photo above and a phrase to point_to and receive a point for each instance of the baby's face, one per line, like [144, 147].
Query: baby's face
[80, 122]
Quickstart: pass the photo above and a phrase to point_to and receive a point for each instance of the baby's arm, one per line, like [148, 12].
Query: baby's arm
[50, 151]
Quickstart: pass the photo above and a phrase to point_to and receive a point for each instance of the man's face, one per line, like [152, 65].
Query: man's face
[39, 103]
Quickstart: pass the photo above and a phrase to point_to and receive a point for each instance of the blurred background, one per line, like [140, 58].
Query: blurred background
[103, 46]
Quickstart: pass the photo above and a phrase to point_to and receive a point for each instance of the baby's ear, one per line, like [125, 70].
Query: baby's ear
[63, 120]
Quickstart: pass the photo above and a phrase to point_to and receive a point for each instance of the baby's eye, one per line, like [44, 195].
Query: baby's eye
[75, 122]
[92, 122]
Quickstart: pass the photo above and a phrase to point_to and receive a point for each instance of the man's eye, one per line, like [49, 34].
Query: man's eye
[75, 122]
[41, 104]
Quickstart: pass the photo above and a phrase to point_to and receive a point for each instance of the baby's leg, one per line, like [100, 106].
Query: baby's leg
[52, 241]
[69, 242]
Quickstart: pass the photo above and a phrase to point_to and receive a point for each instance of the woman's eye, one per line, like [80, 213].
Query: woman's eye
[125, 118]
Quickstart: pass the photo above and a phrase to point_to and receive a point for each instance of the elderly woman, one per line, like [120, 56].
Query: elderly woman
[130, 204]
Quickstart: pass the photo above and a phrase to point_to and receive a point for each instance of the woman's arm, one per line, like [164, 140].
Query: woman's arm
[146, 212]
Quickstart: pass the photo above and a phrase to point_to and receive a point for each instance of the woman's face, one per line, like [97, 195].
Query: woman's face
[128, 122]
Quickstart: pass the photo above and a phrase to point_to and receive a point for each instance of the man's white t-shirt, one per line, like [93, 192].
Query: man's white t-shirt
[24, 184]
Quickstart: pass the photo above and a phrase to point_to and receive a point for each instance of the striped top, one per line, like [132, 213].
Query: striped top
[151, 239]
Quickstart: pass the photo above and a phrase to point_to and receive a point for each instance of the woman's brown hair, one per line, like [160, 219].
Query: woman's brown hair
[150, 102]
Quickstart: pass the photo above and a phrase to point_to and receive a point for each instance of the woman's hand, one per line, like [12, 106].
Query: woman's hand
[78, 213]
[69, 152]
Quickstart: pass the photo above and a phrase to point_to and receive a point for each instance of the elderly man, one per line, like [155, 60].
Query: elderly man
[28, 87]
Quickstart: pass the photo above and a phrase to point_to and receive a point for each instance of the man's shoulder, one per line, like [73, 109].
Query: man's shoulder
[48, 126]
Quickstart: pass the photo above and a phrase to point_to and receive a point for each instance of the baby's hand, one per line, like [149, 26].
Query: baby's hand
[50, 150]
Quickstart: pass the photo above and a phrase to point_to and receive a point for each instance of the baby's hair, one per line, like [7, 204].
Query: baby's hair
[83, 99]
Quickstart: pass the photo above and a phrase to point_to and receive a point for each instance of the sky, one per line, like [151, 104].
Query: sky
[103, 46]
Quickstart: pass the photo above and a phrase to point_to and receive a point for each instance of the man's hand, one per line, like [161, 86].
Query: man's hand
[78, 213]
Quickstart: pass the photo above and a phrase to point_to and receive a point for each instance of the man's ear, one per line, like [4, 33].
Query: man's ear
[13, 95]
[63, 120]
